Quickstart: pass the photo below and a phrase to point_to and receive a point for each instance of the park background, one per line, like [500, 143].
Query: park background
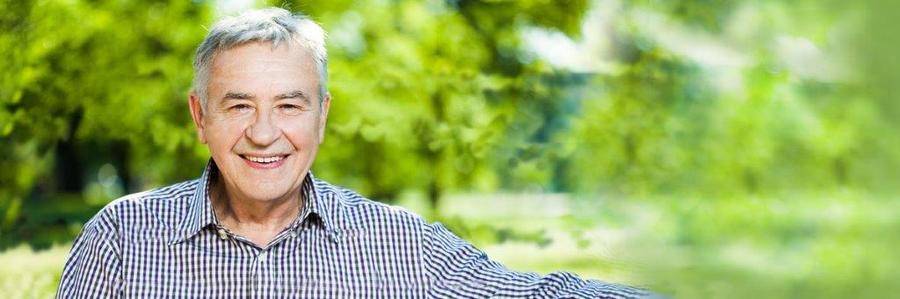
[701, 149]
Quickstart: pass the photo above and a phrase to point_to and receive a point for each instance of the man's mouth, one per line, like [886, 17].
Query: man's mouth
[264, 161]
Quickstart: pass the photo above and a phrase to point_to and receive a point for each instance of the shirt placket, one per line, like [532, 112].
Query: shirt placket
[262, 273]
[263, 277]
[257, 276]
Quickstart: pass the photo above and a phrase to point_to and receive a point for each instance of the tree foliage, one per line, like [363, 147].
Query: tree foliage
[437, 97]
[88, 85]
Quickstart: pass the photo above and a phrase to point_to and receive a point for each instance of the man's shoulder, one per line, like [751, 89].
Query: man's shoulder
[351, 210]
[153, 207]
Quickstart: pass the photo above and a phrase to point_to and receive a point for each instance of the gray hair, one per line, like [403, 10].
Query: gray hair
[273, 25]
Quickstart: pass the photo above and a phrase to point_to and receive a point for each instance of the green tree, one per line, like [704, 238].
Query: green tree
[425, 91]
[91, 84]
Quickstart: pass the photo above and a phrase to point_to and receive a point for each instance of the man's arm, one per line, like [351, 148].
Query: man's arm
[93, 267]
[456, 269]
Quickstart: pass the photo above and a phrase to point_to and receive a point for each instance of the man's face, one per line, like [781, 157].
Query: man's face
[263, 121]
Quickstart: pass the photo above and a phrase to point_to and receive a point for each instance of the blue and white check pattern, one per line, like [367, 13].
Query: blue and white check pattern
[167, 243]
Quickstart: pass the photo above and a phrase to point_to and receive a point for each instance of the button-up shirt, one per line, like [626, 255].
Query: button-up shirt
[168, 243]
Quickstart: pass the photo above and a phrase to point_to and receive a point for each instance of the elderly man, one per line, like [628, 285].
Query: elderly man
[257, 223]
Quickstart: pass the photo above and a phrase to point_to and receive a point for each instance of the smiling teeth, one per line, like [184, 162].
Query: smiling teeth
[265, 159]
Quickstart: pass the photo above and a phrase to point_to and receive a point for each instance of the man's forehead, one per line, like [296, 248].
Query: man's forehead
[256, 64]
[263, 63]
[283, 69]
[258, 60]
[264, 53]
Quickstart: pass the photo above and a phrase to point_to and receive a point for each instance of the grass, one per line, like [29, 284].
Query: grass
[25, 273]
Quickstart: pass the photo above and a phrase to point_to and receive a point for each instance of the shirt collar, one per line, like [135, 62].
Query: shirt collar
[200, 211]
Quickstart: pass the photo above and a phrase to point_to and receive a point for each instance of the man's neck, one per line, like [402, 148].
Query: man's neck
[257, 220]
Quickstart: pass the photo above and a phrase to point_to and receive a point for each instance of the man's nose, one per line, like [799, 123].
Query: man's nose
[263, 130]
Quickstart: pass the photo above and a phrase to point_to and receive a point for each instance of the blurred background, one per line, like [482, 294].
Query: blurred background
[701, 149]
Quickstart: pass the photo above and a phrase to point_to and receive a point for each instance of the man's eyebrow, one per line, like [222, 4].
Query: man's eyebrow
[237, 96]
[296, 94]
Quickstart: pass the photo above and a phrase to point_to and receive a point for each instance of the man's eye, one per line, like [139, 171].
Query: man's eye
[290, 108]
[240, 107]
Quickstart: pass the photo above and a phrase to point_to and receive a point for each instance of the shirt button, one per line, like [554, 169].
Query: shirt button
[262, 256]
[222, 234]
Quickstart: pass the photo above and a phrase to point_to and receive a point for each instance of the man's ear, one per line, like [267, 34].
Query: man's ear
[323, 118]
[197, 115]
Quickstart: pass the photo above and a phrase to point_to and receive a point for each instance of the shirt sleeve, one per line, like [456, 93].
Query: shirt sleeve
[456, 269]
[92, 269]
